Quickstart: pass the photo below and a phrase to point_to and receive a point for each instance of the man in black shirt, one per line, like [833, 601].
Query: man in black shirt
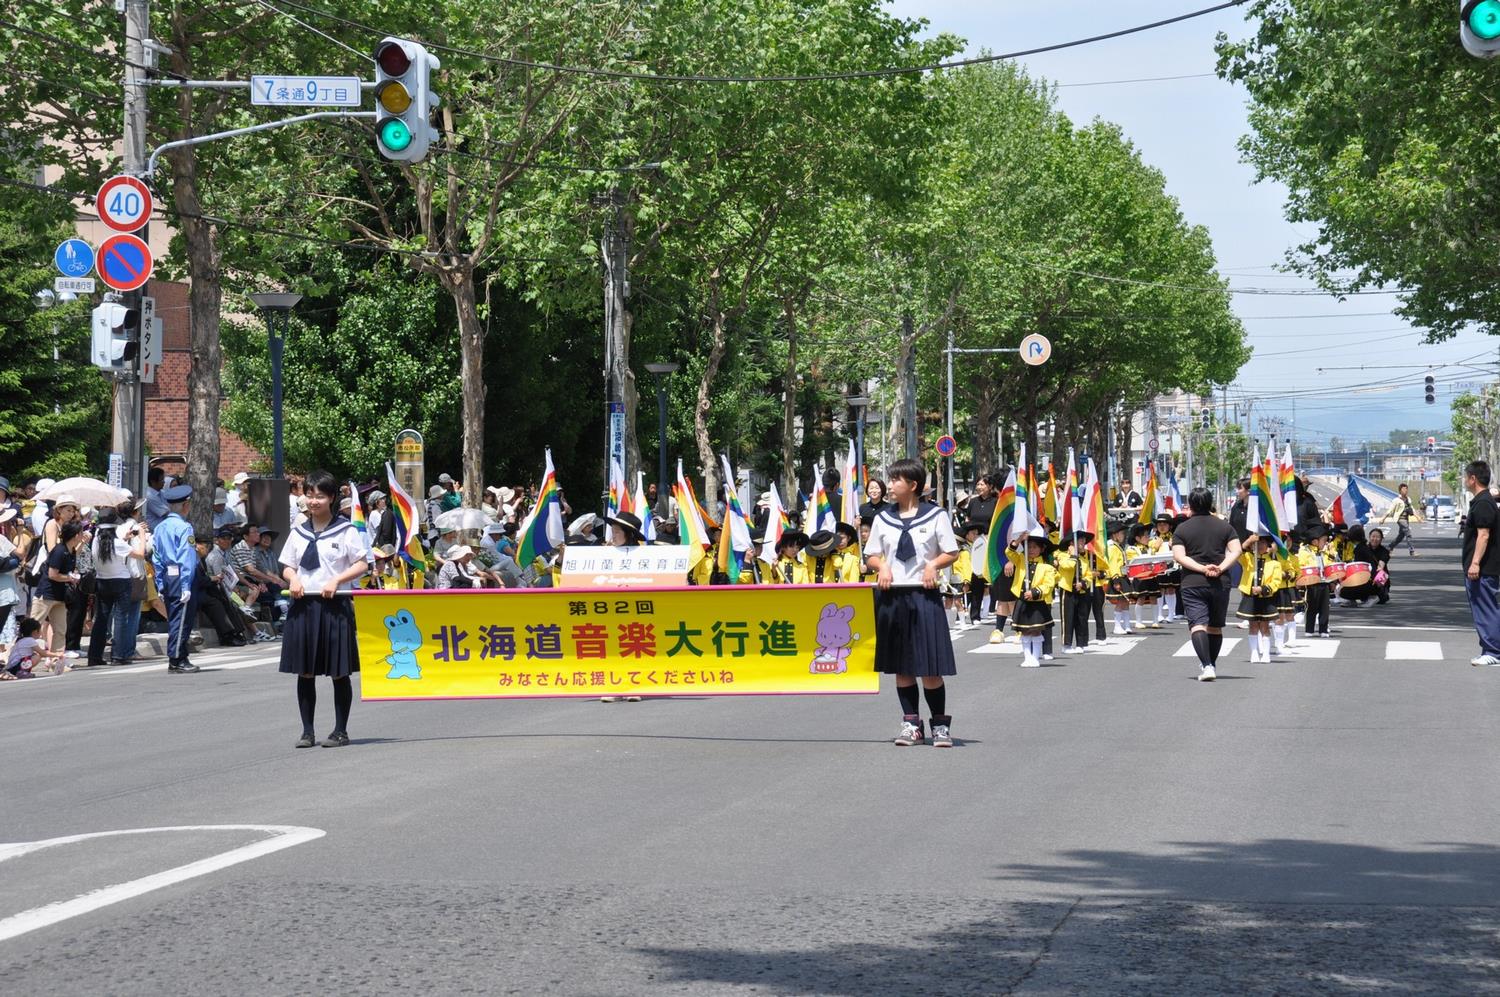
[1206, 547]
[1482, 562]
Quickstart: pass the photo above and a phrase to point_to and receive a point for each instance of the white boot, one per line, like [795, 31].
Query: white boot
[1278, 638]
[1031, 649]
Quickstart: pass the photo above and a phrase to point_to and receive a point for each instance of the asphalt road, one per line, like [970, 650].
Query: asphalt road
[1327, 824]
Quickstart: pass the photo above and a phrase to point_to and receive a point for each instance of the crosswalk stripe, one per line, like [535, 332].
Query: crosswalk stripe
[1313, 647]
[1114, 647]
[1413, 650]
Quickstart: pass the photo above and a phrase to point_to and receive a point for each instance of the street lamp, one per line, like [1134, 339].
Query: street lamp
[274, 303]
[662, 370]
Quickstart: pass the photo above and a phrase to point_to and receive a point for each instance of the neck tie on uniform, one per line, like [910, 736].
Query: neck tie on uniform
[906, 548]
[310, 559]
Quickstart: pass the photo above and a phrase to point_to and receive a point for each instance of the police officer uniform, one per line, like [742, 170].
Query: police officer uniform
[176, 563]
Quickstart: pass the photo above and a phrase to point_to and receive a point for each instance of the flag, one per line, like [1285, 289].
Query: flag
[691, 530]
[1049, 504]
[852, 492]
[408, 523]
[1067, 511]
[819, 510]
[1287, 484]
[1148, 504]
[647, 514]
[776, 525]
[1002, 527]
[1172, 497]
[734, 541]
[616, 500]
[1092, 510]
[1262, 514]
[1024, 499]
[356, 511]
[542, 532]
[1351, 506]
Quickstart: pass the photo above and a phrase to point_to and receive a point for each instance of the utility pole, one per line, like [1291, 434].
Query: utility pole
[613, 252]
[948, 492]
[129, 437]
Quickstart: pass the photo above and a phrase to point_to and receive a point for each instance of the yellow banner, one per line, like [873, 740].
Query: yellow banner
[527, 643]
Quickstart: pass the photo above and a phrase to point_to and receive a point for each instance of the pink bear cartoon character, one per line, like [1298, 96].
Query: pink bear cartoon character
[834, 640]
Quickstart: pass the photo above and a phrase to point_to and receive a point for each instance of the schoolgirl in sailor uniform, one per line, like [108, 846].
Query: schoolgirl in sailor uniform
[911, 542]
[322, 558]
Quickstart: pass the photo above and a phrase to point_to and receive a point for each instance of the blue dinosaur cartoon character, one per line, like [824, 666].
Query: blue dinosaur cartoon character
[405, 639]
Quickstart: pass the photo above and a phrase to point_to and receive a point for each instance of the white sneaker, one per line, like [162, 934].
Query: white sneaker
[1072, 650]
[1206, 673]
[70, 654]
[1243, 625]
[1121, 631]
[996, 637]
[1047, 657]
[1030, 662]
[1486, 660]
[1299, 618]
[1265, 658]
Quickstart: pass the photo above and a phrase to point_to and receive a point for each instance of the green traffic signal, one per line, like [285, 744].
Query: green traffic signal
[394, 134]
[1484, 19]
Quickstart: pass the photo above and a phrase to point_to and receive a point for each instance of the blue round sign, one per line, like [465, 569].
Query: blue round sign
[947, 446]
[74, 258]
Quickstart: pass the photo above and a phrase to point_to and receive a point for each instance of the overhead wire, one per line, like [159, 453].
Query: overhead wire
[621, 74]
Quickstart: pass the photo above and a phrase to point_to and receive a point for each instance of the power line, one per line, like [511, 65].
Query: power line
[619, 74]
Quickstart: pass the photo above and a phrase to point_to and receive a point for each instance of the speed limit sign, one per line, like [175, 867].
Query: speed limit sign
[124, 203]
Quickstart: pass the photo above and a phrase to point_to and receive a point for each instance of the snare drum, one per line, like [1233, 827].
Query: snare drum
[1149, 566]
[1356, 574]
[1334, 572]
[1309, 575]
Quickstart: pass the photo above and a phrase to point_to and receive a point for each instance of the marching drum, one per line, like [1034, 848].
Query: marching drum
[1309, 575]
[1334, 572]
[1149, 566]
[1356, 573]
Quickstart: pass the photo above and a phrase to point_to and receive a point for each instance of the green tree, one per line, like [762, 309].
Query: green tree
[1382, 129]
[1226, 453]
[54, 414]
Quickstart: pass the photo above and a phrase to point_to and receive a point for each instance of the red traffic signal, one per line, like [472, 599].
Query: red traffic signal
[392, 59]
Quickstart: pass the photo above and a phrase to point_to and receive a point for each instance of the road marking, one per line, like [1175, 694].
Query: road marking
[1186, 650]
[1428, 630]
[1009, 647]
[283, 836]
[1413, 650]
[1311, 647]
[209, 665]
[1114, 647]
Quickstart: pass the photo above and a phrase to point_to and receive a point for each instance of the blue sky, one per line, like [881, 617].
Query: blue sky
[1188, 128]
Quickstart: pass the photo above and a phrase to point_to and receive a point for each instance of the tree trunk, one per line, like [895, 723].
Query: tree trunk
[700, 411]
[985, 458]
[460, 284]
[205, 295]
[632, 397]
[789, 412]
[903, 427]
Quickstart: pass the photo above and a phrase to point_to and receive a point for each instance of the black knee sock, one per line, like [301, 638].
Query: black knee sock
[1202, 647]
[343, 696]
[937, 700]
[307, 698]
[1215, 643]
[1000, 619]
[908, 696]
[1046, 641]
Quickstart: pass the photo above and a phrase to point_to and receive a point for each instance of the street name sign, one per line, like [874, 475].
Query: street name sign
[305, 91]
[73, 285]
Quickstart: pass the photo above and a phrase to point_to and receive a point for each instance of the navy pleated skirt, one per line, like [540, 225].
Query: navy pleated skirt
[318, 638]
[911, 633]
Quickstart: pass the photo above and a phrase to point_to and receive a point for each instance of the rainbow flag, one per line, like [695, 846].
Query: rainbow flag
[408, 524]
[819, 510]
[1023, 495]
[357, 511]
[1262, 515]
[1067, 510]
[734, 540]
[542, 531]
[1287, 482]
[1092, 510]
[853, 493]
[1002, 528]
[647, 514]
[691, 529]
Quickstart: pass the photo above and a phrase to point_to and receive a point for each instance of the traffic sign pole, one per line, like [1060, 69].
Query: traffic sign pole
[129, 438]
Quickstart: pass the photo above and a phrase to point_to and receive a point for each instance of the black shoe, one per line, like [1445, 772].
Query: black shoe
[183, 667]
[337, 739]
[307, 741]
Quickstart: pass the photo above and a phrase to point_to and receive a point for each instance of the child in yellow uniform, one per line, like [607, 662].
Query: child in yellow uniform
[1284, 630]
[1116, 583]
[1033, 584]
[848, 552]
[1260, 583]
[1314, 554]
[788, 567]
[1075, 578]
[1144, 591]
[821, 561]
[865, 573]
[956, 578]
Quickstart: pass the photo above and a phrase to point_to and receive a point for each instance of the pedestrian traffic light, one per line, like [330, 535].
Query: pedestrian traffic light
[116, 336]
[1479, 27]
[404, 100]
[1431, 387]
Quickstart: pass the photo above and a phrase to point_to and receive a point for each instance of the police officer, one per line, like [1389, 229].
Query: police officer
[176, 563]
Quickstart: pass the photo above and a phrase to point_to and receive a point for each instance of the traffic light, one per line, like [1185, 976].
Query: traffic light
[116, 336]
[1479, 27]
[404, 100]
[1431, 387]
[1208, 419]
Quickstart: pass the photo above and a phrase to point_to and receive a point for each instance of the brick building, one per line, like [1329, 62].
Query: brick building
[167, 399]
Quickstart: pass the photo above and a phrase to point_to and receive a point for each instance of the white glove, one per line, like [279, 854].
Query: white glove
[187, 594]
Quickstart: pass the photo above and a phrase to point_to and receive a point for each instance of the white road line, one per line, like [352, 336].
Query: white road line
[283, 836]
[1413, 650]
[1114, 647]
[1430, 630]
[1186, 650]
[1009, 647]
[1311, 647]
